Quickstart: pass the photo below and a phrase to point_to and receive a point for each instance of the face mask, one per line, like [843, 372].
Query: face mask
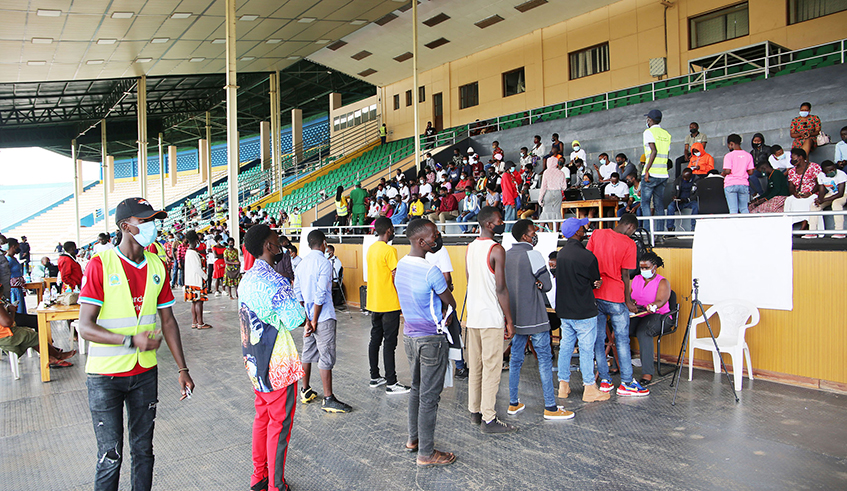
[586, 183]
[692, 131]
[647, 124]
[437, 245]
[830, 174]
[576, 149]
[327, 255]
[602, 161]
[534, 240]
[757, 145]
[647, 273]
[146, 234]
[696, 154]
[804, 114]
[4, 247]
[499, 229]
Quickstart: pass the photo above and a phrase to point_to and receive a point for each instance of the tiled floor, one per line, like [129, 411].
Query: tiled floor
[777, 437]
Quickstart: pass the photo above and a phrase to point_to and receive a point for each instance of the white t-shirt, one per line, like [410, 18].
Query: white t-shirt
[620, 189]
[441, 259]
[98, 247]
[607, 170]
[579, 154]
[425, 189]
[831, 183]
[391, 192]
[539, 151]
[780, 163]
[404, 193]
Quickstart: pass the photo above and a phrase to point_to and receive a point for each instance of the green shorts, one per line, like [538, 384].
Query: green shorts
[22, 339]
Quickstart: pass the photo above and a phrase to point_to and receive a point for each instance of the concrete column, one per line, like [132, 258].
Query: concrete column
[172, 164]
[77, 188]
[297, 134]
[265, 144]
[415, 85]
[105, 170]
[111, 175]
[276, 129]
[334, 101]
[209, 151]
[162, 170]
[142, 134]
[232, 122]
[203, 159]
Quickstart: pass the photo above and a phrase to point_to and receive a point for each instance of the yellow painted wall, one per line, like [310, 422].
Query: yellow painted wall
[635, 31]
[806, 346]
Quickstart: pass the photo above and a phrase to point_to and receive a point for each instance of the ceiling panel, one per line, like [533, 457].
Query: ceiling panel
[50, 29]
[205, 27]
[261, 29]
[10, 52]
[157, 7]
[80, 27]
[86, 7]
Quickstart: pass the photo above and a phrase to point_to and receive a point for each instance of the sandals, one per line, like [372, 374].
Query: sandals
[437, 458]
[203, 326]
[193, 326]
[61, 364]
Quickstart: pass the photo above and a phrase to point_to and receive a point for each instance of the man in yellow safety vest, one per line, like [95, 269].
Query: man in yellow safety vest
[122, 290]
[657, 144]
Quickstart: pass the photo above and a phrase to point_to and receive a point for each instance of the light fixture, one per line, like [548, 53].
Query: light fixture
[36, 63]
[323, 41]
[94, 62]
[143, 60]
[219, 41]
[306, 20]
[248, 58]
[107, 41]
[122, 15]
[42, 40]
[273, 41]
[196, 60]
[358, 22]
[248, 17]
[160, 40]
[293, 58]
[181, 15]
[48, 13]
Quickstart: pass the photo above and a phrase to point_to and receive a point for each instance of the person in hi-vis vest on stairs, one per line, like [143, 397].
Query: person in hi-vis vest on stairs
[122, 290]
[657, 144]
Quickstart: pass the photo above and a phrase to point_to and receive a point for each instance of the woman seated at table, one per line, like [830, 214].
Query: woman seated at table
[803, 187]
[650, 293]
[17, 334]
[773, 201]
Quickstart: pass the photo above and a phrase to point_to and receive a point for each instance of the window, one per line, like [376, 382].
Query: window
[373, 112]
[721, 25]
[589, 61]
[409, 97]
[469, 95]
[421, 94]
[802, 10]
[513, 82]
[336, 124]
[396, 101]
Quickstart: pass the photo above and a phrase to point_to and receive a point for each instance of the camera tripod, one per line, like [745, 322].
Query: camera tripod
[680, 361]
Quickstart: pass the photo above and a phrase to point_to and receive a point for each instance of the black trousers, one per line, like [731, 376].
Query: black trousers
[385, 327]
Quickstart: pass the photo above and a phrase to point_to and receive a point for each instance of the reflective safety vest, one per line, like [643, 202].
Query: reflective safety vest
[160, 251]
[663, 147]
[296, 221]
[382, 131]
[340, 208]
[117, 315]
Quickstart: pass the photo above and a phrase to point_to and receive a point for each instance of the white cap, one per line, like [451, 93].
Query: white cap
[470, 150]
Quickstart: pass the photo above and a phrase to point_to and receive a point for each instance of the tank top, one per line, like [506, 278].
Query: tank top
[644, 293]
[483, 308]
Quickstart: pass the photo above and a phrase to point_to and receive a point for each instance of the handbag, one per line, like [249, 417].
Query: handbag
[17, 282]
[822, 138]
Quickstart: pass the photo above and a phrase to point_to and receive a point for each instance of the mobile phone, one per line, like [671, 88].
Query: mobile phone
[188, 392]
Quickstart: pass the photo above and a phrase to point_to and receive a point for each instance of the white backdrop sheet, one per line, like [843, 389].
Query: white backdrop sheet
[744, 258]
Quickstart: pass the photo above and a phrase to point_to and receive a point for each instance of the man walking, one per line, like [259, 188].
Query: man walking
[268, 311]
[577, 275]
[488, 315]
[357, 197]
[123, 289]
[384, 306]
[424, 297]
[313, 287]
[528, 280]
[657, 144]
[616, 257]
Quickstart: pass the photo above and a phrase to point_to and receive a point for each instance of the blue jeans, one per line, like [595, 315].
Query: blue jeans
[427, 362]
[737, 198]
[107, 397]
[676, 206]
[655, 189]
[584, 330]
[541, 343]
[471, 216]
[755, 183]
[508, 214]
[619, 315]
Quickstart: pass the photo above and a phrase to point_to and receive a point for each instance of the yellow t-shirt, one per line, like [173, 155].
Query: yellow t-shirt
[382, 260]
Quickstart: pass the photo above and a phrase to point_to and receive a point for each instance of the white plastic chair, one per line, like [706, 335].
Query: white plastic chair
[734, 315]
[14, 361]
[80, 341]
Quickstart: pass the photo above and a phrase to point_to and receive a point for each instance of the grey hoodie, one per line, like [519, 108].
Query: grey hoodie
[525, 266]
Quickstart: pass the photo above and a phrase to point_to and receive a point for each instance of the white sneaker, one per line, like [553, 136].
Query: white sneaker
[397, 388]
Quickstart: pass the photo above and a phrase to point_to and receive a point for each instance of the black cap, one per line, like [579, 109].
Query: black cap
[139, 208]
[655, 115]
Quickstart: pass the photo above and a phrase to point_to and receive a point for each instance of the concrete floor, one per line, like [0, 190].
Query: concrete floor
[777, 437]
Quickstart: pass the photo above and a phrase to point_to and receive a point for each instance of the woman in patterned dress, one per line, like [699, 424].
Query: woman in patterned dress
[803, 185]
[804, 129]
[773, 200]
[232, 274]
[196, 289]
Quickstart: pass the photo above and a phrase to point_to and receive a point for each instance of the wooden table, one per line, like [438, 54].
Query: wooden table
[49, 281]
[599, 204]
[45, 315]
[38, 286]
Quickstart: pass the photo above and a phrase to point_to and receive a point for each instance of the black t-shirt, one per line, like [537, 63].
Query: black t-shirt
[576, 272]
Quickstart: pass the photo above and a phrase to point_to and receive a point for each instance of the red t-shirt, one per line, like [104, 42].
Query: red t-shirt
[614, 251]
[136, 276]
[70, 270]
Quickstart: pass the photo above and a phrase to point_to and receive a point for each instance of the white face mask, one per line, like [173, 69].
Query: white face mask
[576, 148]
[804, 114]
[602, 161]
[696, 154]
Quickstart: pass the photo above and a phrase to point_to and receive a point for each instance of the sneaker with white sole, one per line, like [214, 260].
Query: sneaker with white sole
[516, 408]
[632, 389]
[606, 385]
[397, 388]
[376, 382]
[332, 405]
[495, 426]
[559, 413]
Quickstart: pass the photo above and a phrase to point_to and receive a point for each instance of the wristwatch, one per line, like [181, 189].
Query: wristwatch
[128, 342]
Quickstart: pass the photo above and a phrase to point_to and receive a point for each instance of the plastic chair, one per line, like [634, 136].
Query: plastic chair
[670, 323]
[733, 315]
[14, 361]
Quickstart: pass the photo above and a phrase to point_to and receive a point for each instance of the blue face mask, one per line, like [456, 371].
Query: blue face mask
[146, 233]
[4, 247]
[647, 273]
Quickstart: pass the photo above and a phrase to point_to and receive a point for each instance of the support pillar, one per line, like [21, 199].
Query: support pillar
[297, 135]
[111, 176]
[162, 171]
[232, 122]
[203, 160]
[77, 188]
[209, 151]
[276, 146]
[172, 164]
[415, 85]
[142, 134]
[105, 169]
[265, 144]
